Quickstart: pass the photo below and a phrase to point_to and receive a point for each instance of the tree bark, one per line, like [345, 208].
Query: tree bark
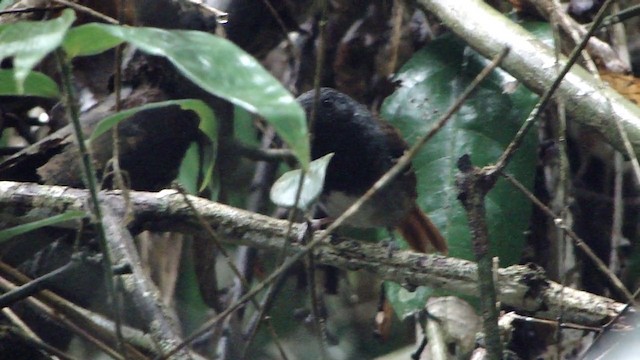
[524, 287]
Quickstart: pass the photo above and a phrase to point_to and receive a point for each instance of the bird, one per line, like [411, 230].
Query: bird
[365, 148]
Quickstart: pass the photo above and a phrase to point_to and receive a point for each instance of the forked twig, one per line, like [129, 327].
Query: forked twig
[580, 244]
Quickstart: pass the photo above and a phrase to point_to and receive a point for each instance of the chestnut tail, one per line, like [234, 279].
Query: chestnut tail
[421, 234]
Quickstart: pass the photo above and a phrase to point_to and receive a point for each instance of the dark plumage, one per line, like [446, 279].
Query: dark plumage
[152, 145]
[365, 148]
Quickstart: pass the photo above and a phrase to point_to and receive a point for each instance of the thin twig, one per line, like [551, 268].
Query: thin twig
[213, 236]
[31, 9]
[595, 47]
[621, 16]
[320, 58]
[38, 284]
[622, 50]
[613, 279]
[221, 16]
[454, 107]
[68, 312]
[628, 148]
[311, 119]
[553, 323]
[117, 173]
[548, 94]
[49, 312]
[15, 319]
[290, 45]
[618, 214]
[619, 44]
[272, 290]
[553, 10]
[397, 14]
[89, 173]
[477, 219]
[563, 184]
[263, 179]
[266, 303]
[259, 154]
[118, 177]
[316, 312]
[37, 342]
[88, 10]
[310, 269]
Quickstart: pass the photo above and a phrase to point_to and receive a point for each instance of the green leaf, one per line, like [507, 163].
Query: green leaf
[483, 127]
[28, 42]
[213, 63]
[208, 126]
[188, 175]
[199, 159]
[283, 191]
[35, 84]
[24, 228]
[89, 39]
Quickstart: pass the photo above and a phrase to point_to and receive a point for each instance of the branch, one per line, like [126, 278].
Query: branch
[138, 284]
[588, 100]
[596, 47]
[473, 185]
[524, 287]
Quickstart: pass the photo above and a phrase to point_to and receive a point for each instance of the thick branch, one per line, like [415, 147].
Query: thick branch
[522, 287]
[588, 100]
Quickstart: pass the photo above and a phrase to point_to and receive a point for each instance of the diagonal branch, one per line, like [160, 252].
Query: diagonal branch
[588, 100]
[138, 284]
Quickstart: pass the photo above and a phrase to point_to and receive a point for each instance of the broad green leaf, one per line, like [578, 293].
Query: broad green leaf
[28, 42]
[24, 228]
[283, 192]
[35, 84]
[484, 126]
[213, 63]
[208, 126]
[89, 39]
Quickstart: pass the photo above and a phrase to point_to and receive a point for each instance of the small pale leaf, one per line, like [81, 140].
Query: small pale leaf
[283, 191]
